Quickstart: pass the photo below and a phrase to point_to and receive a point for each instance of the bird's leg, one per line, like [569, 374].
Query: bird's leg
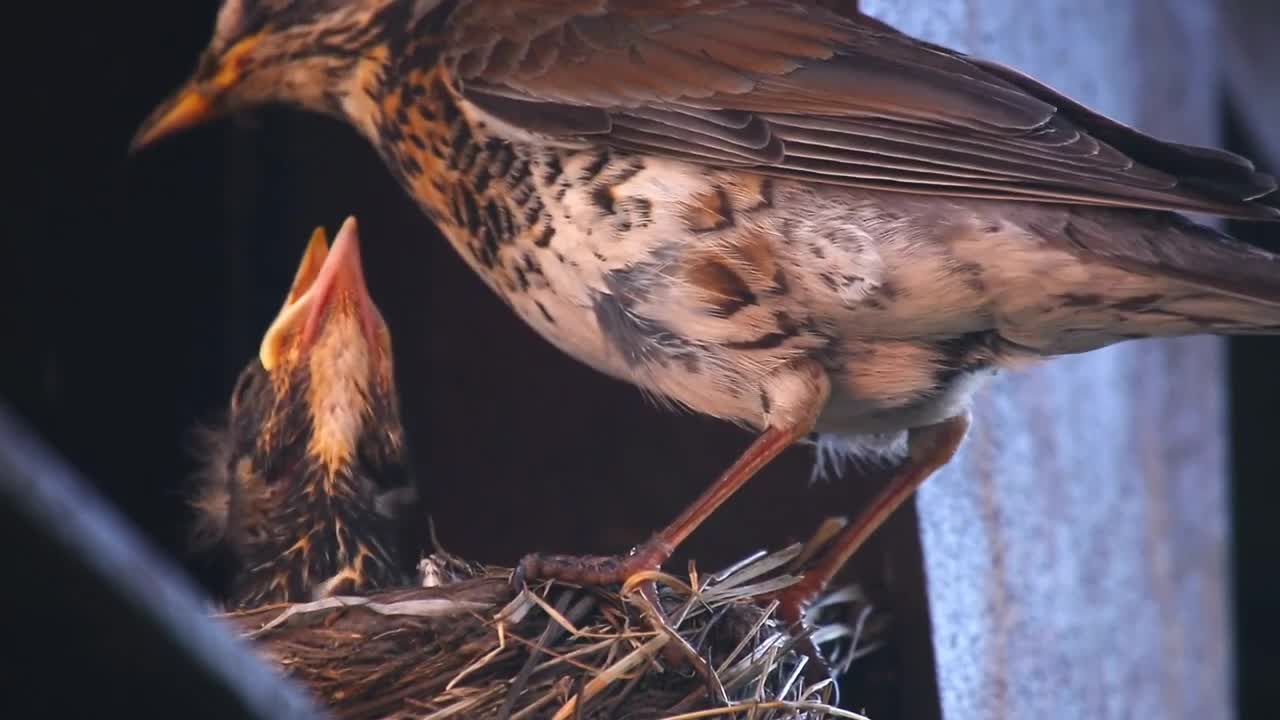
[795, 399]
[928, 449]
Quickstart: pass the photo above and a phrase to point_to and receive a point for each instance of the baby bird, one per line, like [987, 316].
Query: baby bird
[780, 213]
[306, 483]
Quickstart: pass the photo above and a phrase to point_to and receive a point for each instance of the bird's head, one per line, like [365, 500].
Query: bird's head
[308, 53]
[314, 434]
[327, 358]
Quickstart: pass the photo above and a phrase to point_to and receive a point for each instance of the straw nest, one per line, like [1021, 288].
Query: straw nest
[472, 648]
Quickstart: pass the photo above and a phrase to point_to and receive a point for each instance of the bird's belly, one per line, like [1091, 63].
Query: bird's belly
[850, 414]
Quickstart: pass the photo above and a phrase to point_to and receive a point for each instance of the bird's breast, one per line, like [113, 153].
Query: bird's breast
[659, 273]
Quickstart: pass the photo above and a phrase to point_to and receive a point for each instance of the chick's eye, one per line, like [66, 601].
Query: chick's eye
[240, 393]
[368, 453]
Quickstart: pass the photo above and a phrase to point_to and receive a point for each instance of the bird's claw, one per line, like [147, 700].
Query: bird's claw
[793, 602]
[585, 569]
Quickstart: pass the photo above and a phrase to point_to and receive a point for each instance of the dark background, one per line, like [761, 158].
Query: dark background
[135, 288]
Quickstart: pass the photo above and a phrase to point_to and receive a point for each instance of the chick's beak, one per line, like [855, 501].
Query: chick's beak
[328, 286]
[197, 102]
[340, 287]
[309, 269]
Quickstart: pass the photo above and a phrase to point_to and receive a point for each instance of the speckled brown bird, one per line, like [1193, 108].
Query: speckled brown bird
[307, 482]
[776, 212]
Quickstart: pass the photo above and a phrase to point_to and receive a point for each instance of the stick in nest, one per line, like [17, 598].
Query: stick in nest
[470, 649]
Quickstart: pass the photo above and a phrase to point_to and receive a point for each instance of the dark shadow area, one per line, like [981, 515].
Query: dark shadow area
[1254, 389]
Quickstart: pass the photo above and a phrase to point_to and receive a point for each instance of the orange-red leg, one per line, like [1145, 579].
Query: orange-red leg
[929, 448]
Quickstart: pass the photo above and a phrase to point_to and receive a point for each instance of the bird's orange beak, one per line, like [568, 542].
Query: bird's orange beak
[329, 284]
[199, 100]
[190, 107]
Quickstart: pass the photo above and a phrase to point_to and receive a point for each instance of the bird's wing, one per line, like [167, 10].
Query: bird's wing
[792, 88]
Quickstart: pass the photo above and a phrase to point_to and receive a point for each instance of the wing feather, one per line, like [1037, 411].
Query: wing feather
[796, 89]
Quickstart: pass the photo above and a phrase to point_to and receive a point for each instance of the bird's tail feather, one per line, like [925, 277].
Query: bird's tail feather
[1171, 246]
[1178, 278]
[1231, 287]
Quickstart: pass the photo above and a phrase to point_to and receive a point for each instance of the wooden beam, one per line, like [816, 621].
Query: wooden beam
[103, 620]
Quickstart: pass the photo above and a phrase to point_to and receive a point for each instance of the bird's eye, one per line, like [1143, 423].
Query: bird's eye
[368, 454]
[381, 458]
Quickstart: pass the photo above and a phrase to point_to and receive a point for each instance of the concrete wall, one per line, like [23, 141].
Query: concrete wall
[1077, 549]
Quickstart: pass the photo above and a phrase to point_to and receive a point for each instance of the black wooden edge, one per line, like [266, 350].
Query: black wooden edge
[161, 607]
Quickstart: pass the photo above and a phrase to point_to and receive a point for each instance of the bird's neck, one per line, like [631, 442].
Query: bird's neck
[415, 123]
[476, 185]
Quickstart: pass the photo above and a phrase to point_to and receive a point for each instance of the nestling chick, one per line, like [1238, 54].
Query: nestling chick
[780, 213]
[310, 474]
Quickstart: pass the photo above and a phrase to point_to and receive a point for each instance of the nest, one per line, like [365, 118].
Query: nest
[472, 648]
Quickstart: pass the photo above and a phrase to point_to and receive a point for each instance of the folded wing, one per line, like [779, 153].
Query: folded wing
[797, 89]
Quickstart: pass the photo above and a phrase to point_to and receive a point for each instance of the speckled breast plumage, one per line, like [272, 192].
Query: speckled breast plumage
[699, 284]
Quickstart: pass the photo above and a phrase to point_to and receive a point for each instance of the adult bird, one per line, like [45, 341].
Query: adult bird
[780, 213]
[306, 483]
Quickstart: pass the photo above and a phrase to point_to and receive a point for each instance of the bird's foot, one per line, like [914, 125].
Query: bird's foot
[793, 602]
[589, 569]
[601, 570]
